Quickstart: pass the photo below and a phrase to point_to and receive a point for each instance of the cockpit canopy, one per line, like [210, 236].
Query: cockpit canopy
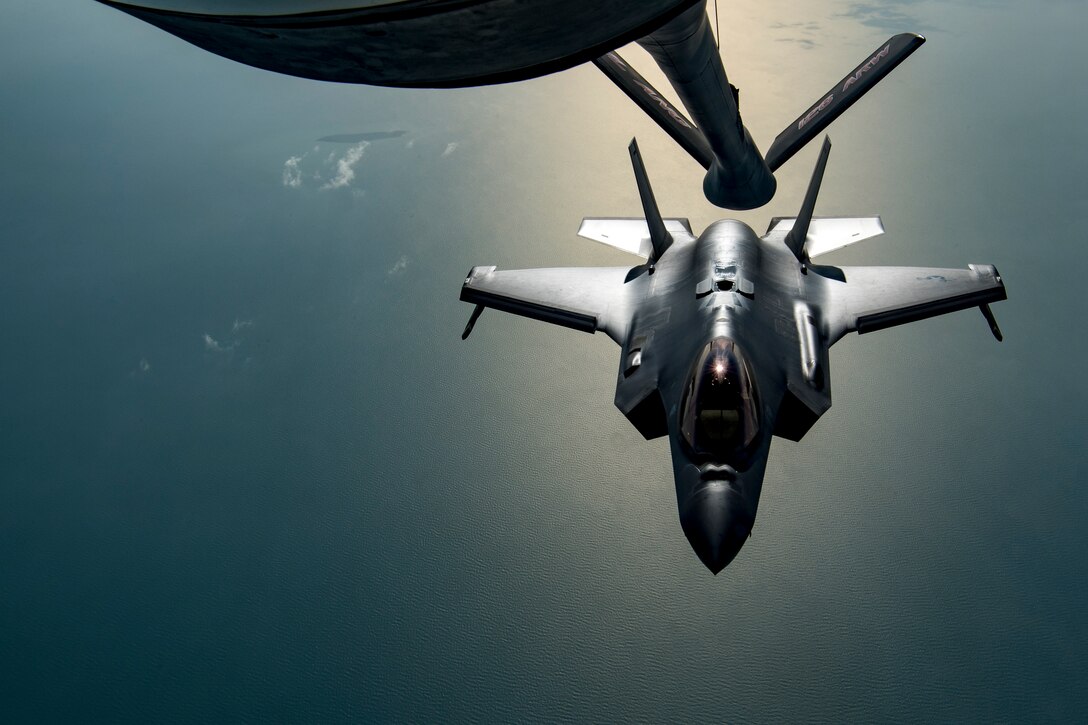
[719, 412]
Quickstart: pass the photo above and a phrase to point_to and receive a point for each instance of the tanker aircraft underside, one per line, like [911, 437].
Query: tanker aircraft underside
[724, 337]
[459, 43]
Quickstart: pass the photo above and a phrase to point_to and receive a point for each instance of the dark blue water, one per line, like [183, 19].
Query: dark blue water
[249, 471]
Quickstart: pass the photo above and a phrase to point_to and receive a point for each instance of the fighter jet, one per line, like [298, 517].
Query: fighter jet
[724, 337]
[442, 44]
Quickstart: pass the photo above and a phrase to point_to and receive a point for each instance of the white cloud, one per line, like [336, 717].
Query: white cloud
[410, 144]
[141, 370]
[213, 345]
[227, 348]
[450, 148]
[399, 266]
[345, 167]
[292, 174]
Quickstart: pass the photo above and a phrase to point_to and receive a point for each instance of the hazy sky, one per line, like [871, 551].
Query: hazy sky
[248, 469]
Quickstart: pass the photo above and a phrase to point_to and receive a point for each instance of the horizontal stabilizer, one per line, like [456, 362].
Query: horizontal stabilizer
[878, 64]
[826, 234]
[630, 235]
[657, 107]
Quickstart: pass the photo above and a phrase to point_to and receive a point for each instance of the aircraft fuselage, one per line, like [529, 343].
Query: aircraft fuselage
[713, 289]
[725, 337]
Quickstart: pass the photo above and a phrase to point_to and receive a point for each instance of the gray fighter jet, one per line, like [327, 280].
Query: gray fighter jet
[443, 44]
[724, 337]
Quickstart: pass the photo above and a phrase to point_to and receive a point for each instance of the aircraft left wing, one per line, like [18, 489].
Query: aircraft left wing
[873, 298]
[582, 298]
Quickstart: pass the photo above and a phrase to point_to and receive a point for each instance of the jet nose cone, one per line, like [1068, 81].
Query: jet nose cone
[716, 523]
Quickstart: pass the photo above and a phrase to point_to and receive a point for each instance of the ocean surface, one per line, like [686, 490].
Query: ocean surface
[250, 472]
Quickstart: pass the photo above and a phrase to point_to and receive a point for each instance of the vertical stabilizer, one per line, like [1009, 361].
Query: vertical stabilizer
[795, 240]
[660, 238]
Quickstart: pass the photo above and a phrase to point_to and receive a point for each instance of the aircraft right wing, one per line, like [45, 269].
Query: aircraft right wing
[873, 298]
[582, 298]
